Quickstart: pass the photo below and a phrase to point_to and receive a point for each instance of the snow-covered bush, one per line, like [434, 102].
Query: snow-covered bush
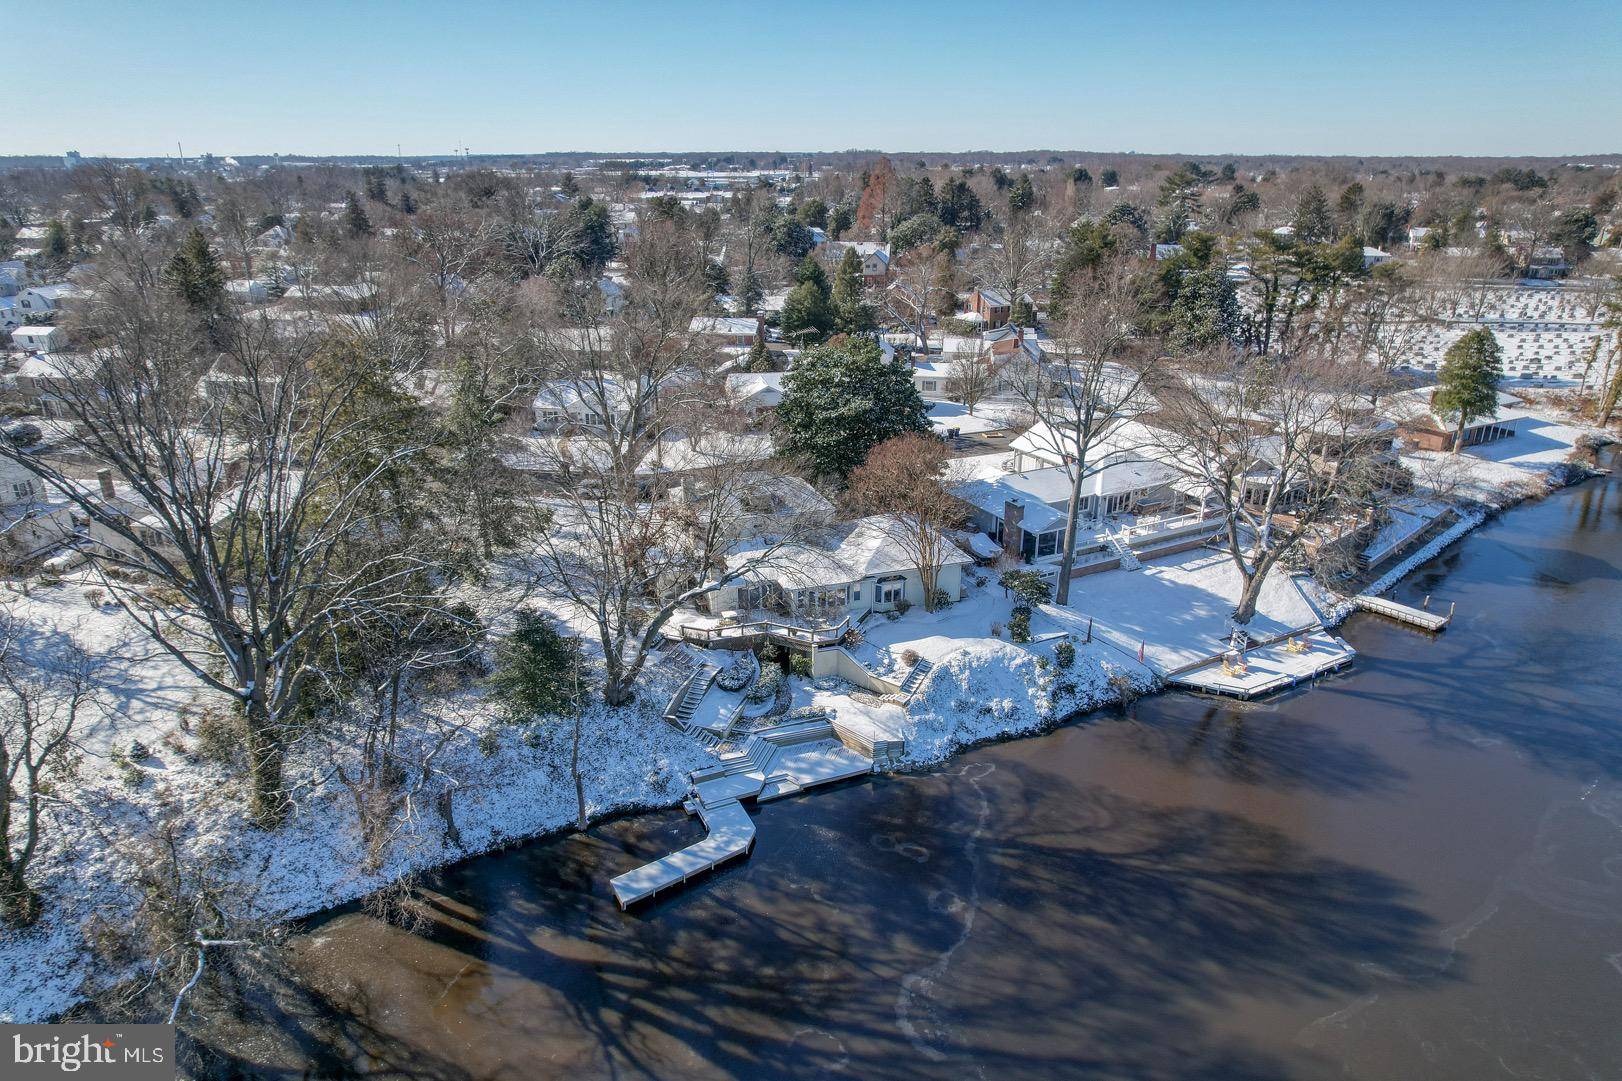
[765, 688]
[909, 657]
[1028, 587]
[1019, 624]
[736, 676]
[852, 638]
[1064, 654]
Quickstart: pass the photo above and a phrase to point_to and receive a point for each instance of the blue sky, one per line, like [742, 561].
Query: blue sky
[1373, 77]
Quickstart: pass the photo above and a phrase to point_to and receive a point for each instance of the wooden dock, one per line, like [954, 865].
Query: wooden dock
[1403, 613]
[782, 761]
[732, 834]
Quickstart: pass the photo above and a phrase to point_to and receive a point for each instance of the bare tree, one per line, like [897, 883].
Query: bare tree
[1092, 386]
[971, 379]
[452, 250]
[1284, 450]
[907, 479]
[631, 389]
[236, 224]
[41, 701]
[1019, 259]
[249, 474]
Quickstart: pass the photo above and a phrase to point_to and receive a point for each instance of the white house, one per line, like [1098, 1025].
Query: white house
[849, 569]
[39, 339]
[32, 518]
[588, 404]
[14, 277]
[39, 299]
[753, 392]
[875, 258]
[10, 314]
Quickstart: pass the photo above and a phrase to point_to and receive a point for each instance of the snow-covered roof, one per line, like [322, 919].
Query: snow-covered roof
[847, 552]
[755, 384]
[708, 450]
[728, 325]
[1043, 490]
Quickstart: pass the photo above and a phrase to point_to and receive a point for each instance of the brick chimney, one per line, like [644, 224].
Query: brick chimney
[1013, 513]
[104, 477]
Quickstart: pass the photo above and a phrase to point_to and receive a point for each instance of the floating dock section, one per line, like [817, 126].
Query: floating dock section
[1423, 618]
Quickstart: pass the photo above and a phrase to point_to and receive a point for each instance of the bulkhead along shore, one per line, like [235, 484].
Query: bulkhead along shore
[731, 554]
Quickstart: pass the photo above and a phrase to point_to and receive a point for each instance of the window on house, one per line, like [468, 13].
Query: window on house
[930, 385]
[1047, 544]
[891, 589]
[22, 489]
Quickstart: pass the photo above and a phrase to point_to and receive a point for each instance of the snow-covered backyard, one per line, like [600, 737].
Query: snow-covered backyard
[507, 783]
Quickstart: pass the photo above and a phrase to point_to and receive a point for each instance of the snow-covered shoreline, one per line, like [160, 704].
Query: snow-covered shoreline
[510, 789]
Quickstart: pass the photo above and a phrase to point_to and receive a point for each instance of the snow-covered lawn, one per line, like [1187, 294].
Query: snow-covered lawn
[1501, 472]
[932, 635]
[1177, 607]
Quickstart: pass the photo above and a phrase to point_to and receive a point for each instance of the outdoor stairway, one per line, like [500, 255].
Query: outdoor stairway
[1118, 544]
[685, 704]
[909, 686]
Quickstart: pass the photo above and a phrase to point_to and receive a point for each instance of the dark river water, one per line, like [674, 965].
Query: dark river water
[1412, 870]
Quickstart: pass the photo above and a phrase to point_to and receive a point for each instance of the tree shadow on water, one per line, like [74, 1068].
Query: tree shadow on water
[953, 924]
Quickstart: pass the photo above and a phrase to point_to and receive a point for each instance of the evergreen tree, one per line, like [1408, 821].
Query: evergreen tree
[842, 400]
[851, 310]
[1080, 177]
[760, 358]
[355, 219]
[1022, 196]
[1087, 245]
[1205, 311]
[473, 476]
[408, 205]
[196, 275]
[56, 246]
[808, 314]
[1467, 385]
[1109, 178]
[960, 207]
[1313, 222]
[149, 215]
[539, 673]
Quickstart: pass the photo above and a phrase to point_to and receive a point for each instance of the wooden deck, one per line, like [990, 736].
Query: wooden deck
[1414, 617]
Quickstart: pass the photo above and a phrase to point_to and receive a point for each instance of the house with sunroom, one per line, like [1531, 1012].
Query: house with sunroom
[845, 570]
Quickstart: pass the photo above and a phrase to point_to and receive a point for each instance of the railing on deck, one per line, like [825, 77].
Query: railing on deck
[792, 633]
